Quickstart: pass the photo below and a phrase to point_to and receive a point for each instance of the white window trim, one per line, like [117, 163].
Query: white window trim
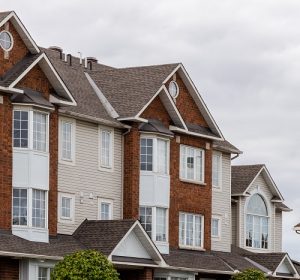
[203, 166]
[73, 141]
[219, 218]
[12, 41]
[153, 231]
[220, 175]
[62, 219]
[182, 246]
[108, 201]
[29, 209]
[30, 111]
[109, 168]
[155, 139]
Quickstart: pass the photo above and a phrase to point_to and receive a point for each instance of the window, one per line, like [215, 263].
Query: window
[216, 227]
[39, 131]
[20, 207]
[67, 140]
[217, 170]
[154, 220]
[257, 223]
[105, 209]
[20, 129]
[6, 41]
[66, 205]
[154, 155]
[38, 208]
[106, 148]
[190, 230]
[30, 130]
[146, 154]
[191, 164]
[44, 273]
[29, 214]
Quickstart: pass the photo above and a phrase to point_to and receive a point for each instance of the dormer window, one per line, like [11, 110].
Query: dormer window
[257, 223]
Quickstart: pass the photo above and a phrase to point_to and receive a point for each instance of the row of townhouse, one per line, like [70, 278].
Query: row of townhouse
[129, 162]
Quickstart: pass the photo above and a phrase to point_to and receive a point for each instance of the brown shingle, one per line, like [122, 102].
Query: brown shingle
[225, 146]
[242, 176]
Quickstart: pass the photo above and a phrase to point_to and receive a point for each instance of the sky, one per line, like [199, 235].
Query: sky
[243, 56]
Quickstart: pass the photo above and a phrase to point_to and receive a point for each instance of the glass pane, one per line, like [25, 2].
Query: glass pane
[161, 224]
[43, 273]
[20, 130]
[39, 131]
[146, 154]
[216, 162]
[146, 219]
[106, 148]
[257, 206]
[66, 207]
[20, 207]
[67, 140]
[105, 211]
[38, 208]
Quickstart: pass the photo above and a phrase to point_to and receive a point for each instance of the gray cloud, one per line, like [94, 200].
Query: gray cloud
[242, 55]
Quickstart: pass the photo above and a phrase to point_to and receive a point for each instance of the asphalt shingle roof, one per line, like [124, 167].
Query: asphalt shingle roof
[3, 15]
[129, 89]
[242, 176]
[225, 146]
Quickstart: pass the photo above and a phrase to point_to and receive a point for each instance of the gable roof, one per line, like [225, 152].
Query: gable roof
[21, 29]
[225, 146]
[242, 176]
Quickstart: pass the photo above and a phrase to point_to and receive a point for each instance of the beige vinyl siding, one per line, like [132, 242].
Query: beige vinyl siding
[278, 231]
[85, 177]
[263, 189]
[221, 206]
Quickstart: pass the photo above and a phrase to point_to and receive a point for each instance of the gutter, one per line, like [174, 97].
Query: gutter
[31, 256]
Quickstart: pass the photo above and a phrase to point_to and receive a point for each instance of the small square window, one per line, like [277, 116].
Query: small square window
[66, 207]
[216, 227]
[105, 209]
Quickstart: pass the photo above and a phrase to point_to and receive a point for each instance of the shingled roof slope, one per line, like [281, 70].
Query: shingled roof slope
[129, 89]
[242, 176]
[88, 103]
[3, 15]
[269, 260]
[196, 260]
[103, 236]
[225, 146]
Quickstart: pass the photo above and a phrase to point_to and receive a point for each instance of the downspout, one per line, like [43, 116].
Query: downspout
[236, 156]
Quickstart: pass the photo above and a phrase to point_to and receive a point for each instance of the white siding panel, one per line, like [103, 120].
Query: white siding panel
[221, 206]
[278, 231]
[85, 178]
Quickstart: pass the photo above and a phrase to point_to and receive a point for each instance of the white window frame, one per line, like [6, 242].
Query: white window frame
[30, 111]
[219, 218]
[181, 163]
[62, 121]
[111, 207]
[155, 139]
[219, 154]
[193, 247]
[62, 219]
[103, 167]
[29, 209]
[153, 223]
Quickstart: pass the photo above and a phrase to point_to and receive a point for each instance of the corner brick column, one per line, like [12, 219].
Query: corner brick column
[146, 274]
[9, 269]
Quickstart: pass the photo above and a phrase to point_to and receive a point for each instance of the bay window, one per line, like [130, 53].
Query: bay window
[191, 230]
[29, 208]
[191, 164]
[154, 221]
[257, 223]
[30, 130]
[154, 155]
[216, 170]
[106, 148]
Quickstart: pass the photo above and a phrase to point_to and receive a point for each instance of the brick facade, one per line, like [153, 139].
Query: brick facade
[9, 269]
[141, 274]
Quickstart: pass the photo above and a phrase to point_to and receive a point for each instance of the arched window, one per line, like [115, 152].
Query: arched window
[257, 223]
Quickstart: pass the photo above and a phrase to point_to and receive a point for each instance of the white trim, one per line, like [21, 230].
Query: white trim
[66, 220]
[31, 256]
[137, 119]
[296, 275]
[184, 131]
[11, 90]
[109, 108]
[71, 121]
[34, 63]
[23, 29]
[219, 218]
[111, 207]
[12, 40]
[110, 167]
[55, 100]
[181, 67]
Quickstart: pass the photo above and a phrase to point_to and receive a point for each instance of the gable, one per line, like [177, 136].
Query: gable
[16, 54]
[156, 110]
[36, 80]
[132, 247]
[286, 268]
[261, 184]
[186, 105]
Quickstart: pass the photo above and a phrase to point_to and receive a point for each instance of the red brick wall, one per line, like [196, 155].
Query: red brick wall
[18, 51]
[185, 197]
[145, 274]
[9, 269]
[5, 163]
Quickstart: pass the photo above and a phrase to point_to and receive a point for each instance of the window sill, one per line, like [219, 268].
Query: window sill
[106, 169]
[217, 189]
[216, 238]
[67, 162]
[193, 182]
[191, 248]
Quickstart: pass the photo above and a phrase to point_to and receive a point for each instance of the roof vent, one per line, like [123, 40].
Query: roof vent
[90, 60]
[57, 49]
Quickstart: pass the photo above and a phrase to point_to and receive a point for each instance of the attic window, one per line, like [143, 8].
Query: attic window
[173, 89]
[6, 41]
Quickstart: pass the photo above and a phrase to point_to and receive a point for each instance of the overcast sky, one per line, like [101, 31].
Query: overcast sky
[244, 57]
